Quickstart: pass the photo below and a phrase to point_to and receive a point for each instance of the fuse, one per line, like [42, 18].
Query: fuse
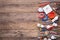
[49, 27]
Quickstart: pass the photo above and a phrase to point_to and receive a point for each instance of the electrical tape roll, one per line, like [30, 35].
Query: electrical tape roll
[41, 15]
[45, 18]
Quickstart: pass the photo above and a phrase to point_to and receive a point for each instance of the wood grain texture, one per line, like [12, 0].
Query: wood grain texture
[18, 19]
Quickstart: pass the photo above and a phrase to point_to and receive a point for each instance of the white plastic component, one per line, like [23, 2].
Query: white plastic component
[40, 25]
[48, 26]
[49, 39]
[54, 8]
[40, 9]
[53, 37]
[54, 24]
[56, 18]
[47, 9]
[45, 39]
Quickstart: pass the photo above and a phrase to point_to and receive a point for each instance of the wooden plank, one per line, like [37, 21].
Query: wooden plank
[26, 25]
[19, 1]
[18, 38]
[15, 9]
[18, 5]
[18, 33]
[18, 17]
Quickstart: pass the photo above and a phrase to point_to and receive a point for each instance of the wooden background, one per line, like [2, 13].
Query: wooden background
[18, 19]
